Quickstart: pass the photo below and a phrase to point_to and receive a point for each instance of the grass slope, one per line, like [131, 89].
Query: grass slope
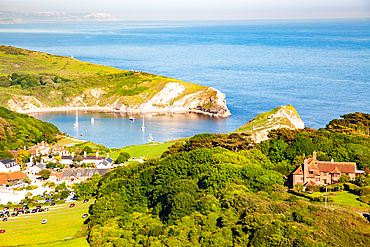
[264, 121]
[345, 199]
[63, 223]
[58, 80]
[151, 150]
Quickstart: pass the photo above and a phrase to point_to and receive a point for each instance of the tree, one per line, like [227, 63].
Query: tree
[123, 156]
[23, 156]
[61, 186]
[27, 180]
[29, 194]
[45, 174]
[6, 155]
[344, 178]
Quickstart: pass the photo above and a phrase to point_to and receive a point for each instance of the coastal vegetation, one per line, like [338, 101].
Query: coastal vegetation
[20, 130]
[214, 190]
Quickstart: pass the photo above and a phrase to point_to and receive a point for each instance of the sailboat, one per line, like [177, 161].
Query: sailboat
[92, 120]
[143, 127]
[150, 138]
[76, 123]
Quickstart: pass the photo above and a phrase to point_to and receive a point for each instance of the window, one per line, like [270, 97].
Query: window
[311, 172]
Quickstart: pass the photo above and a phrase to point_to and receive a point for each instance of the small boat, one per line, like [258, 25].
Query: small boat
[80, 134]
[150, 138]
[132, 118]
[143, 127]
[92, 120]
[76, 123]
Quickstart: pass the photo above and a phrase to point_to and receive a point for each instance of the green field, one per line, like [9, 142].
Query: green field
[346, 199]
[63, 224]
[151, 150]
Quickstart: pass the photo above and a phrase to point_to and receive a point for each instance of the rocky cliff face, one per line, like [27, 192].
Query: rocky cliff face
[172, 98]
[281, 117]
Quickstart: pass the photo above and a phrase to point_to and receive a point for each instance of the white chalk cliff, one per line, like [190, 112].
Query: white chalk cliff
[172, 98]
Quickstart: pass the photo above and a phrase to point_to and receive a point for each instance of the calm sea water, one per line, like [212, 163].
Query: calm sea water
[321, 67]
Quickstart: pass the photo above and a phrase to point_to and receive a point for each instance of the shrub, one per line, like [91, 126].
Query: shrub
[313, 188]
[365, 191]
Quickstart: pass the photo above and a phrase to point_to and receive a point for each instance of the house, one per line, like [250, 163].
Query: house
[9, 165]
[55, 177]
[36, 168]
[106, 163]
[87, 159]
[59, 150]
[80, 174]
[14, 177]
[315, 172]
[41, 148]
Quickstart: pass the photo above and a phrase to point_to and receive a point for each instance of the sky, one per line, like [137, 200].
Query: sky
[199, 9]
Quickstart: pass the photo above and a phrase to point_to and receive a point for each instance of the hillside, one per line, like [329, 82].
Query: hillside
[280, 117]
[18, 130]
[199, 194]
[31, 81]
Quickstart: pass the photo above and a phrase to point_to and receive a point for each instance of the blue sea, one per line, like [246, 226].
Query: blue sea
[321, 67]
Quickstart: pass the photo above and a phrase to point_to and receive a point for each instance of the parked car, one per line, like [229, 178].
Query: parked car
[52, 204]
[84, 215]
[52, 199]
[86, 200]
[2, 231]
[38, 207]
[14, 214]
[46, 209]
[5, 219]
[26, 208]
[34, 210]
[74, 198]
[71, 205]
[44, 221]
[6, 208]
[15, 209]
[27, 212]
[40, 210]
[62, 198]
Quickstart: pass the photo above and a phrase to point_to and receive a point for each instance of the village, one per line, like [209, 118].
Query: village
[47, 165]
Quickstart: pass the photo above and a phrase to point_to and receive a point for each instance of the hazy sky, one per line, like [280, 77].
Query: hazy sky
[199, 9]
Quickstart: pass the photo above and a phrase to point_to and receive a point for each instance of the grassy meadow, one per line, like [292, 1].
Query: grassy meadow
[345, 199]
[63, 224]
[150, 150]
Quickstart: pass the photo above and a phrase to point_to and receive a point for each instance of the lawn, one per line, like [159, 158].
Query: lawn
[63, 223]
[346, 199]
[151, 150]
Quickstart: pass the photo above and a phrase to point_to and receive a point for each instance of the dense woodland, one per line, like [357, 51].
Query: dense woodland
[225, 190]
[19, 130]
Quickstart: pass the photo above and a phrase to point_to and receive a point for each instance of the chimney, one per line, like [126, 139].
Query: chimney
[73, 154]
[314, 155]
[85, 154]
[97, 153]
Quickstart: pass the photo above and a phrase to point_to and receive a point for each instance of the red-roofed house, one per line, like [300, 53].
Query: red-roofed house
[13, 177]
[315, 172]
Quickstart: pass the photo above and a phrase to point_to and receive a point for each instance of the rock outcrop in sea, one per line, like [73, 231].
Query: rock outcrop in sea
[280, 117]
